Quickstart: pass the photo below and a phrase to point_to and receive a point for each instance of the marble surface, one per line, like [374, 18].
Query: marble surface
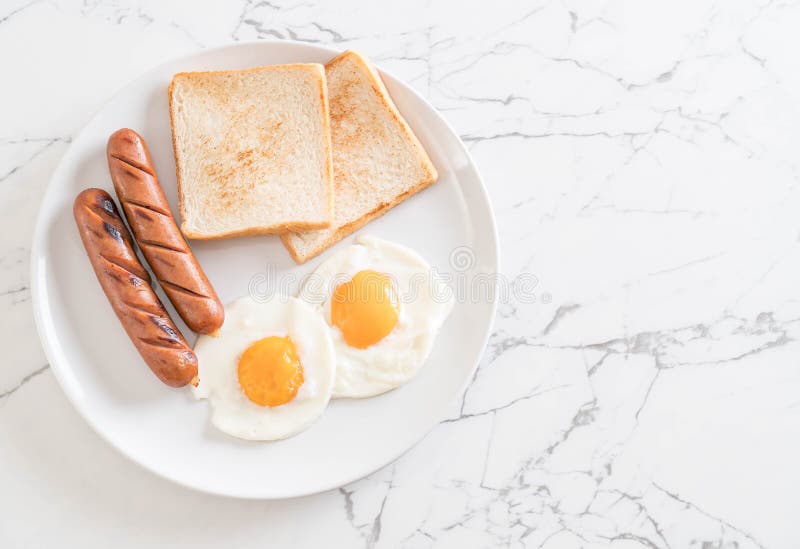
[642, 160]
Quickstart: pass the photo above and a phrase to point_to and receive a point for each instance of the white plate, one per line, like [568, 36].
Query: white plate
[166, 430]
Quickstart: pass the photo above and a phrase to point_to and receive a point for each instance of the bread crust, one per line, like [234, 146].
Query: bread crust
[178, 172]
[254, 231]
[349, 228]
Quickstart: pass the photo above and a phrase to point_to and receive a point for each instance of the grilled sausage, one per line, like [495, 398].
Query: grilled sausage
[157, 234]
[127, 286]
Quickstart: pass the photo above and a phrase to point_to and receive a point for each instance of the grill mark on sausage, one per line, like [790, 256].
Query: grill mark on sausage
[113, 231]
[100, 218]
[121, 266]
[97, 234]
[108, 206]
[156, 342]
[149, 207]
[133, 164]
[139, 307]
[154, 244]
[182, 289]
[164, 326]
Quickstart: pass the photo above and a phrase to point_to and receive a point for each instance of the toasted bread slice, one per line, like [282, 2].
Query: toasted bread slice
[377, 160]
[252, 150]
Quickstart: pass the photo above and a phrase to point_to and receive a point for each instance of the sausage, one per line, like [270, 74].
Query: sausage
[157, 234]
[127, 286]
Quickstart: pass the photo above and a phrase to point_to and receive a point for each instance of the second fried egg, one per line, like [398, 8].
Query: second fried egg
[384, 305]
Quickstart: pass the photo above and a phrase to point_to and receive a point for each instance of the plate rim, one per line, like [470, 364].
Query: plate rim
[58, 362]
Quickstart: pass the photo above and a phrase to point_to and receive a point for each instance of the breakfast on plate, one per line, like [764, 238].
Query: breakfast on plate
[304, 151]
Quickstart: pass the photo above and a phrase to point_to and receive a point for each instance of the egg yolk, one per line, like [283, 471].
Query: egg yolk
[270, 372]
[365, 308]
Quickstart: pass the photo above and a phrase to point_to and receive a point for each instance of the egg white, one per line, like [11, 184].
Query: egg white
[397, 358]
[247, 321]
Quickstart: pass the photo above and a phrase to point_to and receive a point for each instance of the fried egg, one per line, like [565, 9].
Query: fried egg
[383, 305]
[269, 372]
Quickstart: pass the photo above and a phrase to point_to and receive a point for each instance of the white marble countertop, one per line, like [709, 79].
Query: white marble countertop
[642, 160]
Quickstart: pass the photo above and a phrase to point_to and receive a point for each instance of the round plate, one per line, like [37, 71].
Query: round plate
[166, 430]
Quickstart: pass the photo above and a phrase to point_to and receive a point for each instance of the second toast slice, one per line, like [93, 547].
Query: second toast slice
[378, 161]
[252, 150]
